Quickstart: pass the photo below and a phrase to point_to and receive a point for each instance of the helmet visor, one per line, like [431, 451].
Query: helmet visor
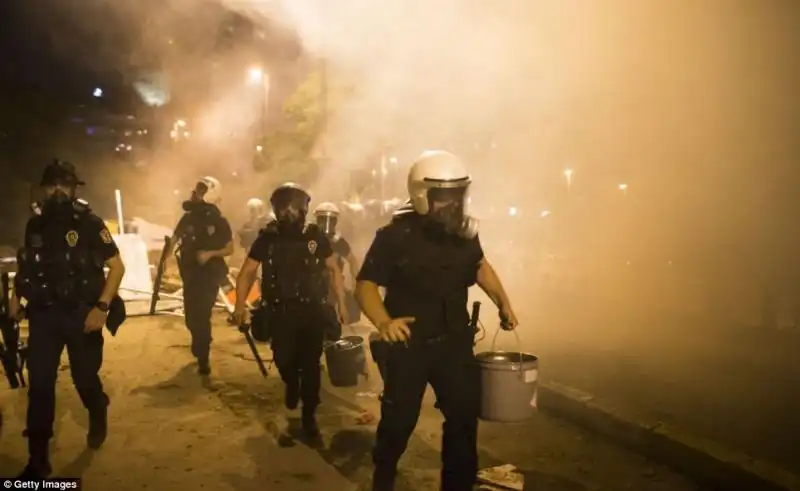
[327, 223]
[447, 205]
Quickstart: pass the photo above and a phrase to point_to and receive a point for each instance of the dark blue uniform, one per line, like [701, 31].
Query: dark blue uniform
[294, 287]
[426, 275]
[202, 228]
[61, 277]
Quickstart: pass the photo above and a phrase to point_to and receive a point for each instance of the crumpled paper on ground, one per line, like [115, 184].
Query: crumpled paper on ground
[502, 477]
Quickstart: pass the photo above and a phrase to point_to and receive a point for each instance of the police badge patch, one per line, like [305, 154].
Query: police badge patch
[72, 238]
[312, 246]
[105, 236]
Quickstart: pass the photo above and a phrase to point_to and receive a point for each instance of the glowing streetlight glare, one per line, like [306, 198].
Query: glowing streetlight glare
[545, 213]
[98, 92]
[512, 212]
[259, 148]
[568, 173]
[623, 187]
[255, 75]
[393, 160]
[180, 123]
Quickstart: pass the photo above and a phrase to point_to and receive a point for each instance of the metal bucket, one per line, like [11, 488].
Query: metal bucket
[345, 360]
[509, 385]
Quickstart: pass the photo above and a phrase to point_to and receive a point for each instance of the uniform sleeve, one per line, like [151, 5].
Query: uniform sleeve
[180, 228]
[476, 249]
[380, 260]
[260, 248]
[324, 246]
[342, 247]
[224, 231]
[100, 239]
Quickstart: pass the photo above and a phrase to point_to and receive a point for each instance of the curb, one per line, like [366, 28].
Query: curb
[711, 464]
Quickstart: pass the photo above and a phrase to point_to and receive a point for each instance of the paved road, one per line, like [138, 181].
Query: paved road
[734, 384]
[171, 429]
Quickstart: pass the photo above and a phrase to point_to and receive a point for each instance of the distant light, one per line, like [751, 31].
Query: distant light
[545, 213]
[129, 148]
[259, 148]
[568, 173]
[393, 160]
[186, 134]
[374, 173]
[98, 92]
[512, 212]
[255, 75]
[181, 123]
[234, 173]
[623, 187]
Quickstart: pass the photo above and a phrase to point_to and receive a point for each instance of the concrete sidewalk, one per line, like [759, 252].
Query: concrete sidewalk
[169, 429]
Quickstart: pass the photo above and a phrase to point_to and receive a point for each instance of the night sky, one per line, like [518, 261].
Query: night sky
[32, 42]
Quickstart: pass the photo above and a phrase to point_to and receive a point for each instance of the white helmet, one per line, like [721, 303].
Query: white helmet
[435, 169]
[439, 176]
[255, 204]
[326, 209]
[327, 216]
[213, 194]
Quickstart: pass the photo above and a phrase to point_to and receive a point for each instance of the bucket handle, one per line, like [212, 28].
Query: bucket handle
[519, 345]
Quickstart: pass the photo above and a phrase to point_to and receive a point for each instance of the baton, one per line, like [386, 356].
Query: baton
[245, 329]
[475, 317]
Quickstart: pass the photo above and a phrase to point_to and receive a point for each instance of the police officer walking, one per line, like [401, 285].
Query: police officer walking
[427, 258]
[327, 218]
[68, 297]
[297, 263]
[256, 220]
[204, 239]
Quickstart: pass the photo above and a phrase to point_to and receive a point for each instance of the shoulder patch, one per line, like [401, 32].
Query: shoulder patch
[105, 236]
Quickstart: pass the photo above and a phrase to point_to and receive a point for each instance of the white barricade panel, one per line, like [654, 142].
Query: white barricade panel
[137, 283]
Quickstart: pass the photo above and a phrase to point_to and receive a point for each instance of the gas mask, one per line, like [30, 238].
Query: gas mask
[446, 207]
[58, 203]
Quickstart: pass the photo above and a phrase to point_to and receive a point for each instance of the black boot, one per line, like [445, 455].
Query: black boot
[98, 428]
[39, 461]
[203, 366]
[309, 421]
[383, 479]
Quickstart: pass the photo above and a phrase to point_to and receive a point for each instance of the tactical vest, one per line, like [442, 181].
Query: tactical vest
[57, 265]
[199, 234]
[292, 270]
[431, 277]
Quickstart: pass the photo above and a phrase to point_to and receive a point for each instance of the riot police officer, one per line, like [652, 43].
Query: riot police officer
[204, 239]
[427, 258]
[256, 220]
[68, 298]
[327, 217]
[297, 262]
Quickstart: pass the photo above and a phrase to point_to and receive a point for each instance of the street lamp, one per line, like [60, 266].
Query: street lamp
[255, 75]
[568, 175]
[624, 188]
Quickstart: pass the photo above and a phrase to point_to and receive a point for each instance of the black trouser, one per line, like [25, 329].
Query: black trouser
[297, 335]
[200, 291]
[448, 364]
[50, 330]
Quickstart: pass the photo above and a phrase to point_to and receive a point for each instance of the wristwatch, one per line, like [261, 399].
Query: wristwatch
[102, 306]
